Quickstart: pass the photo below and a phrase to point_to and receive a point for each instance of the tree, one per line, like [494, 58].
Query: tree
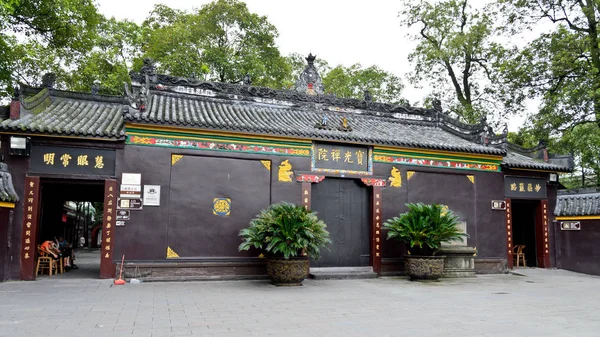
[456, 54]
[58, 29]
[561, 67]
[116, 52]
[351, 82]
[222, 41]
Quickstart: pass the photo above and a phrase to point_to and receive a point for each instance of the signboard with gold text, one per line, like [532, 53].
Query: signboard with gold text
[72, 160]
[341, 158]
[524, 188]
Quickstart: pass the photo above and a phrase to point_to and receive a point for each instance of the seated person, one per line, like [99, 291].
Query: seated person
[66, 251]
[51, 248]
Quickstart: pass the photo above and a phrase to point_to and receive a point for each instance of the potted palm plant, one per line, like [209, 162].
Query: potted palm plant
[423, 228]
[288, 235]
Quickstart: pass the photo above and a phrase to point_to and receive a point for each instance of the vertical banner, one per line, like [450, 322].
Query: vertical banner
[543, 243]
[306, 193]
[29, 230]
[376, 228]
[107, 269]
[509, 255]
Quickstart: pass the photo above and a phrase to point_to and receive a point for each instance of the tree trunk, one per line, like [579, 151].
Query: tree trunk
[590, 13]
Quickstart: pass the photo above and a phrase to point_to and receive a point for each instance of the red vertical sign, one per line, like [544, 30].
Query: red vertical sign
[29, 230]
[509, 236]
[376, 228]
[107, 269]
[543, 243]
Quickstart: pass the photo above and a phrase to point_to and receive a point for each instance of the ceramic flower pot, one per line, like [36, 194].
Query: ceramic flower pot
[424, 267]
[287, 272]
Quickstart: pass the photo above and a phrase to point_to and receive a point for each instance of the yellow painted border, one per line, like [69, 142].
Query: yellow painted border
[434, 152]
[581, 217]
[7, 204]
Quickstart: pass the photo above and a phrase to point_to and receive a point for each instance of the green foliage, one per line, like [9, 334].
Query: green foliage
[456, 55]
[351, 82]
[287, 230]
[54, 31]
[222, 41]
[116, 49]
[423, 228]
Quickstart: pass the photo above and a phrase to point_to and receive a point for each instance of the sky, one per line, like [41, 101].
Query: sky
[341, 32]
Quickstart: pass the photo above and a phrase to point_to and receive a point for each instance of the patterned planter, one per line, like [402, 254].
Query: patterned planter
[290, 272]
[424, 267]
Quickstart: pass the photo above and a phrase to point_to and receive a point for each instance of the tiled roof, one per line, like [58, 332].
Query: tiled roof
[69, 114]
[517, 160]
[586, 202]
[297, 120]
[7, 190]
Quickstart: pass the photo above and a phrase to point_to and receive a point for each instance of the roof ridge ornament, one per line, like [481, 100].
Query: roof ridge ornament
[309, 81]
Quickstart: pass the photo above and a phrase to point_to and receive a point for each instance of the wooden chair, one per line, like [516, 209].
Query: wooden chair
[44, 261]
[518, 255]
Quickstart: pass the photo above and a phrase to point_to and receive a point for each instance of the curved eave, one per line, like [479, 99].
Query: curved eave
[539, 168]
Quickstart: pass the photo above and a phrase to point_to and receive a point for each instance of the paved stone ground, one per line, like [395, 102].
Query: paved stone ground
[542, 303]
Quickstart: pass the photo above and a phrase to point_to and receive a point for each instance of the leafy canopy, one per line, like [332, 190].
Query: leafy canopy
[424, 227]
[222, 41]
[457, 56]
[287, 230]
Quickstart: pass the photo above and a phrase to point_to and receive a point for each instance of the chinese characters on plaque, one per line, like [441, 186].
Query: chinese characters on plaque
[109, 218]
[70, 160]
[341, 158]
[29, 218]
[524, 188]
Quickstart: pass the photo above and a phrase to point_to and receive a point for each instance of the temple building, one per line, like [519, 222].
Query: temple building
[180, 165]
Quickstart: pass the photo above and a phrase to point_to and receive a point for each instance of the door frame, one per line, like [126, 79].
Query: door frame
[542, 240]
[31, 223]
[376, 203]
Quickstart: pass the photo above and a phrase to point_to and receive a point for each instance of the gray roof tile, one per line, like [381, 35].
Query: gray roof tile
[297, 121]
[580, 204]
[517, 160]
[71, 114]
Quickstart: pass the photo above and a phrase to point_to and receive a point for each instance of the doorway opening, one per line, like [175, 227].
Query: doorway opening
[343, 204]
[71, 213]
[524, 218]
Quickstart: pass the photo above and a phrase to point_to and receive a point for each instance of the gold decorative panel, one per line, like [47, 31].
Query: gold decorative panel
[175, 158]
[171, 253]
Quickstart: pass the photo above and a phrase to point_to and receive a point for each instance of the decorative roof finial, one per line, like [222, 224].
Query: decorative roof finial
[95, 87]
[48, 80]
[309, 81]
[437, 105]
[247, 80]
[368, 96]
[311, 59]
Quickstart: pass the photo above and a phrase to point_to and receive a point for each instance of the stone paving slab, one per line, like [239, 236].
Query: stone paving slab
[541, 303]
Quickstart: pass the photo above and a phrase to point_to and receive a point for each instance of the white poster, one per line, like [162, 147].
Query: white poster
[131, 179]
[151, 195]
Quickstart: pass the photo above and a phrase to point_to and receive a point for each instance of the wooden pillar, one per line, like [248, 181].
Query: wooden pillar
[509, 236]
[30, 227]
[107, 267]
[541, 233]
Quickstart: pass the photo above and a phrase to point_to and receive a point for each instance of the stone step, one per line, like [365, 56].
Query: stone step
[342, 273]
